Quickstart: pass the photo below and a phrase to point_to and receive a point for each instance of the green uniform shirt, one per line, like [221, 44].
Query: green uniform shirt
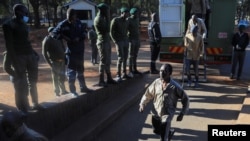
[119, 29]
[102, 28]
[133, 28]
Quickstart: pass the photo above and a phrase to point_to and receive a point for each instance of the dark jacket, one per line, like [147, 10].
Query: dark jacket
[16, 34]
[52, 49]
[154, 32]
[119, 29]
[240, 39]
[72, 31]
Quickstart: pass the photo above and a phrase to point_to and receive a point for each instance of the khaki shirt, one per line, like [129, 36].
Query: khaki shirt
[165, 98]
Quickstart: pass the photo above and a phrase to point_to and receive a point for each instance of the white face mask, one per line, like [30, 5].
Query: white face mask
[25, 19]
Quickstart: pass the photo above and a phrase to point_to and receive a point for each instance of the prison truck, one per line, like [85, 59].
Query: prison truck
[220, 23]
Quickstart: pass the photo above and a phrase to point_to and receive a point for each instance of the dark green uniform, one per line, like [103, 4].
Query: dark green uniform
[119, 29]
[134, 41]
[101, 24]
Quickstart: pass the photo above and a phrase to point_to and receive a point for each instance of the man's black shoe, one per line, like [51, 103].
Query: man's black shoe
[154, 72]
[64, 93]
[102, 84]
[111, 81]
[137, 72]
[86, 90]
[125, 76]
[37, 107]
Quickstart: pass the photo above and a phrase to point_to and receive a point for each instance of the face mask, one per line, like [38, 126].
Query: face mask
[25, 19]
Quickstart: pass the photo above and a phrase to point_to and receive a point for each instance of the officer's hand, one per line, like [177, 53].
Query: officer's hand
[141, 109]
[180, 117]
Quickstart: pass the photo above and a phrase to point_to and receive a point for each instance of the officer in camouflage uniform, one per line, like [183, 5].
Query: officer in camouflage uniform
[101, 23]
[134, 40]
[118, 32]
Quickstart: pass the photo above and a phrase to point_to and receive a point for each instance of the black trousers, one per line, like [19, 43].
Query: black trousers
[155, 50]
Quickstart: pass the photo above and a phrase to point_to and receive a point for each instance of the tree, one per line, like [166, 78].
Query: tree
[243, 10]
[35, 4]
[54, 4]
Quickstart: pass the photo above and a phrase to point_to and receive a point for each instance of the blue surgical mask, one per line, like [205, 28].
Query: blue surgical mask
[25, 19]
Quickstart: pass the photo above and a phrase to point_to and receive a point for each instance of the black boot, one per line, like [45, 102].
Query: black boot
[135, 70]
[110, 80]
[153, 69]
[101, 81]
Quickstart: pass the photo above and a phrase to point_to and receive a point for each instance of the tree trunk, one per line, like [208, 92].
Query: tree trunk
[55, 20]
[35, 4]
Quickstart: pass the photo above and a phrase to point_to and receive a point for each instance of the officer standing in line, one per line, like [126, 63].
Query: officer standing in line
[101, 24]
[92, 42]
[73, 32]
[21, 61]
[154, 34]
[118, 32]
[134, 40]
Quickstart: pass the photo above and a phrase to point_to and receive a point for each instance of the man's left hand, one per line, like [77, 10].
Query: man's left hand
[180, 117]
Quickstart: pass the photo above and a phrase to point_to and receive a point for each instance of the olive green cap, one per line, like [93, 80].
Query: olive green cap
[133, 10]
[124, 9]
[102, 6]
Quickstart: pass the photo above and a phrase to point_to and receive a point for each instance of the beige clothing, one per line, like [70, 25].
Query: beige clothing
[201, 25]
[167, 96]
[193, 46]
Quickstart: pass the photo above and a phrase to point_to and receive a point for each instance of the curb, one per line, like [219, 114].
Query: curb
[89, 125]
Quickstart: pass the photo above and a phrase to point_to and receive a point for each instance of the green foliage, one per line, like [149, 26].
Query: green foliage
[243, 10]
